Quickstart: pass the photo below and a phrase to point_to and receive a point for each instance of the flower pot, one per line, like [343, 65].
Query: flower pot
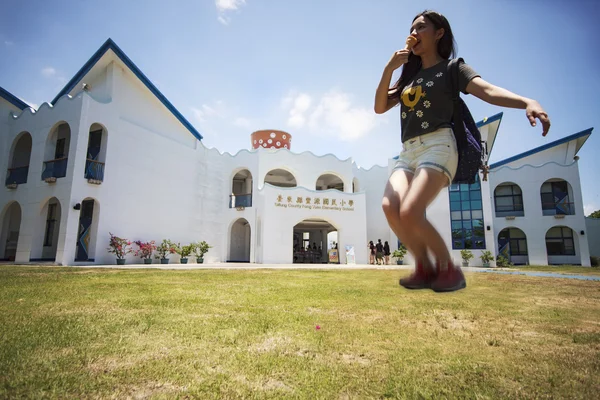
[465, 264]
[183, 260]
[120, 261]
[199, 260]
[399, 262]
[164, 260]
[147, 261]
[486, 265]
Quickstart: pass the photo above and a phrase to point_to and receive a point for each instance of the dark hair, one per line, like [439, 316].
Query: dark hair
[446, 48]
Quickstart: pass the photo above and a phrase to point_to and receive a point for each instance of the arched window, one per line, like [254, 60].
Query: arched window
[557, 197]
[559, 241]
[508, 200]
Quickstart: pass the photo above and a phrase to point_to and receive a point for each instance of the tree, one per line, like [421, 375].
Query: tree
[595, 214]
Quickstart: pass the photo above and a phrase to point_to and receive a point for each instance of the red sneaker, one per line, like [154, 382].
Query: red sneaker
[449, 279]
[421, 278]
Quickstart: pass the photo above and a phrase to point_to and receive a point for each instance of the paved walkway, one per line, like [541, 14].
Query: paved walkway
[245, 266]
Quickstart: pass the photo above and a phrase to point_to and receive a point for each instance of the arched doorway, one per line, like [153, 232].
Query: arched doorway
[280, 178]
[241, 189]
[96, 154]
[9, 235]
[20, 155]
[45, 241]
[329, 181]
[512, 244]
[56, 153]
[239, 241]
[313, 238]
[89, 215]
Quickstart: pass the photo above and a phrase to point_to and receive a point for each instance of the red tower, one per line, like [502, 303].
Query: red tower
[271, 139]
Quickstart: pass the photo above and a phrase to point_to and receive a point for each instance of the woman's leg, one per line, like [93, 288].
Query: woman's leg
[395, 192]
[424, 188]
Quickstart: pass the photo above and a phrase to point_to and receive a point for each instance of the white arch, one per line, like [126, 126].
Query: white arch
[239, 240]
[335, 174]
[10, 228]
[282, 168]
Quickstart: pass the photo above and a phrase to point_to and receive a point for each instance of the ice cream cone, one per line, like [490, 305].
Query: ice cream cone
[410, 42]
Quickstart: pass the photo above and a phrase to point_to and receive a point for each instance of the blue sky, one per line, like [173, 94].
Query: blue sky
[311, 66]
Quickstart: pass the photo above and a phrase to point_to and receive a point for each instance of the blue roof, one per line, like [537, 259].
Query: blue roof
[14, 100]
[567, 139]
[489, 120]
[110, 45]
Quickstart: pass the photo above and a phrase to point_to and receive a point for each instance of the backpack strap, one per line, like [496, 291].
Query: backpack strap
[457, 117]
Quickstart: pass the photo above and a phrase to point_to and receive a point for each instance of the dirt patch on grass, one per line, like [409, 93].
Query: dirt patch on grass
[273, 343]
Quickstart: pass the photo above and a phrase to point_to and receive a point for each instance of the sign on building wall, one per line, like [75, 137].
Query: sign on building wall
[314, 203]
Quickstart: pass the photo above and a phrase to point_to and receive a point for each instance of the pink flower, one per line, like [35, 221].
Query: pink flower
[318, 327]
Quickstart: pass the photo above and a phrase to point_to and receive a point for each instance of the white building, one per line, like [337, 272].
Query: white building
[111, 154]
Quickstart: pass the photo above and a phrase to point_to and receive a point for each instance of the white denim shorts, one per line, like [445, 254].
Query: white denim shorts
[436, 150]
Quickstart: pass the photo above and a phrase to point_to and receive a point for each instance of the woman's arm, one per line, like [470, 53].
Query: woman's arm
[383, 103]
[501, 97]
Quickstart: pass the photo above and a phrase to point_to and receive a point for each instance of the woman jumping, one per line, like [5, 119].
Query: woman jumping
[429, 156]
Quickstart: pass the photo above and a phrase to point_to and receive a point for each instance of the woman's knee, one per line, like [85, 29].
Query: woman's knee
[391, 208]
[410, 215]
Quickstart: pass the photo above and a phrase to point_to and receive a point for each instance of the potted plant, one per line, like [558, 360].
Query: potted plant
[145, 250]
[466, 256]
[199, 250]
[486, 258]
[120, 247]
[165, 248]
[399, 254]
[184, 251]
[502, 261]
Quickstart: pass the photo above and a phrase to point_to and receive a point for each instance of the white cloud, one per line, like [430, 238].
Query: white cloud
[203, 112]
[298, 105]
[48, 72]
[334, 115]
[589, 208]
[242, 122]
[225, 6]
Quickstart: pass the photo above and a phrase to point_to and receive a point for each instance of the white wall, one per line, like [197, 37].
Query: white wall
[33, 195]
[530, 175]
[279, 218]
[372, 183]
[592, 232]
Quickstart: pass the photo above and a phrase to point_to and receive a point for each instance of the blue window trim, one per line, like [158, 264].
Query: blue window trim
[110, 45]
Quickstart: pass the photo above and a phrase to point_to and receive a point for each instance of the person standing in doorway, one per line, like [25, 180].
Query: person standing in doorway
[429, 157]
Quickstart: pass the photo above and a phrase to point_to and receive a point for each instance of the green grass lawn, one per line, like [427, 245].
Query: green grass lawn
[92, 333]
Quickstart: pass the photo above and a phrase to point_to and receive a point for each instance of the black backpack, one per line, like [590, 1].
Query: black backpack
[471, 152]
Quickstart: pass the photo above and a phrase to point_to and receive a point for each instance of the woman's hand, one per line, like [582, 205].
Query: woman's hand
[534, 110]
[398, 59]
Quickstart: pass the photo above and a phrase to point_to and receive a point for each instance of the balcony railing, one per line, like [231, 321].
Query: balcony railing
[514, 210]
[558, 208]
[94, 170]
[55, 168]
[240, 200]
[17, 176]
